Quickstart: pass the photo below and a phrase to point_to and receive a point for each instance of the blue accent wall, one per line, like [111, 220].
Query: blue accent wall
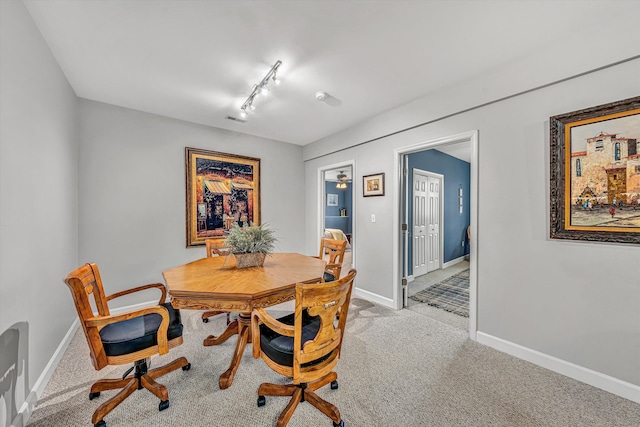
[332, 218]
[456, 173]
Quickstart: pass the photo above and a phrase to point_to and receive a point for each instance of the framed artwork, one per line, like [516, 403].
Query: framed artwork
[373, 185]
[332, 199]
[222, 189]
[595, 173]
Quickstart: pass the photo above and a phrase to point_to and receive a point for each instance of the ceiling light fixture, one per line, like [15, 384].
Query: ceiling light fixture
[259, 88]
[342, 181]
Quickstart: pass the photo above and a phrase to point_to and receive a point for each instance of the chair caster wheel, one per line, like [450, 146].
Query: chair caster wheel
[100, 423]
[205, 320]
[261, 401]
[340, 424]
[186, 367]
[93, 396]
[163, 405]
[334, 386]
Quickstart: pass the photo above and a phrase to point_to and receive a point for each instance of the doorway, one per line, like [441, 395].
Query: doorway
[402, 233]
[336, 207]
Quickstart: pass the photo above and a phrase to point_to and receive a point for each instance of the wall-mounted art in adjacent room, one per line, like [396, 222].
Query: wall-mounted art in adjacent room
[595, 173]
[332, 199]
[222, 189]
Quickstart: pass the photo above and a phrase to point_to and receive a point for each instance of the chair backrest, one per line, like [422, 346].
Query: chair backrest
[335, 249]
[329, 301]
[83, 282]
[216, 247]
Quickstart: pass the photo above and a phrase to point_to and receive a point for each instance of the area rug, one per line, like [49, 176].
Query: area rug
[452, 294]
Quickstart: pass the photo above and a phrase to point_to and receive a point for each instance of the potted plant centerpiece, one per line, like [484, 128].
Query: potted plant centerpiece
[250, 245]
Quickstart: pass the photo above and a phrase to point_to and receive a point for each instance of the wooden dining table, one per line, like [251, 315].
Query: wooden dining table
[216, 283]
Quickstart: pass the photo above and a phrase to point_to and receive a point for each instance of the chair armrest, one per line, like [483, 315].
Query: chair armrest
[160, 286]
[333, 269]
[163, 345]
[260, 316]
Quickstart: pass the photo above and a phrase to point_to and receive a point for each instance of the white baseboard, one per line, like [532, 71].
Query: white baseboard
[410, 279]
[38, 388]
[453, 262]
[369, 296]
[571, 370]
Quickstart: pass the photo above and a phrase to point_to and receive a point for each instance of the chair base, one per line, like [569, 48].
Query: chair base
[301, 393]
[207, 314]
[141, 378]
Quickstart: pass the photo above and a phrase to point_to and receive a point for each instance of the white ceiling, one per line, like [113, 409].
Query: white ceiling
[197, 60]
[461, 150]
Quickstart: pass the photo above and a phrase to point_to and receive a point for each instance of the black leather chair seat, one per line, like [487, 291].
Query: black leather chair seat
[328, 277]
[279, 348]
[138, 333]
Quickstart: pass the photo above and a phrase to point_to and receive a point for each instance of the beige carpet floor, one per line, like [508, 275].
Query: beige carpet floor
[398, 368]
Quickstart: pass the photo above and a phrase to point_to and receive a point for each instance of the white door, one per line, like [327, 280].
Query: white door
[426, 222]
[433, 224]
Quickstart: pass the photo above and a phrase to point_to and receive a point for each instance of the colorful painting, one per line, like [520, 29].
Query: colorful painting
[222, 190]
[596, 173]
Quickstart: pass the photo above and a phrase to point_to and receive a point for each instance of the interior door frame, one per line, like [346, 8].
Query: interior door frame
[470, 137]
[440, 178]
[321, 200]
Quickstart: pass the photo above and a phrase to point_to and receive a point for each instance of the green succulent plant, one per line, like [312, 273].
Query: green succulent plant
[252, 239]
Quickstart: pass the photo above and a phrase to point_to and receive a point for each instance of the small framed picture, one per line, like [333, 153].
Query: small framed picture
[373, 185]
[332, 199]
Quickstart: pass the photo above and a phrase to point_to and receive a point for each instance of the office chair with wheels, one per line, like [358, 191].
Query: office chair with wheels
[308, 350]
[131, 337]
[335, 249]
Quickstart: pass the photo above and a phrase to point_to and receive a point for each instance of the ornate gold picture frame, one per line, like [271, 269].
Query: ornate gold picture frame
[595, 173]
[222, 189]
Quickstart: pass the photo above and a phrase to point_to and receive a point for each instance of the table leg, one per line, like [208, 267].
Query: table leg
[232, 329]
[244, 337]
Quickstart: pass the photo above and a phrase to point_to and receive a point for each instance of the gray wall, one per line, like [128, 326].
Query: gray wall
[132, 191]
[38, 194]
[574, 301]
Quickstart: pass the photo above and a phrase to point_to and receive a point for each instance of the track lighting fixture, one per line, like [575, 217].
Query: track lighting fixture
[260, 88]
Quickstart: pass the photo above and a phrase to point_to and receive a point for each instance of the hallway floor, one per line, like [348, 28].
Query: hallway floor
[422, 282]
